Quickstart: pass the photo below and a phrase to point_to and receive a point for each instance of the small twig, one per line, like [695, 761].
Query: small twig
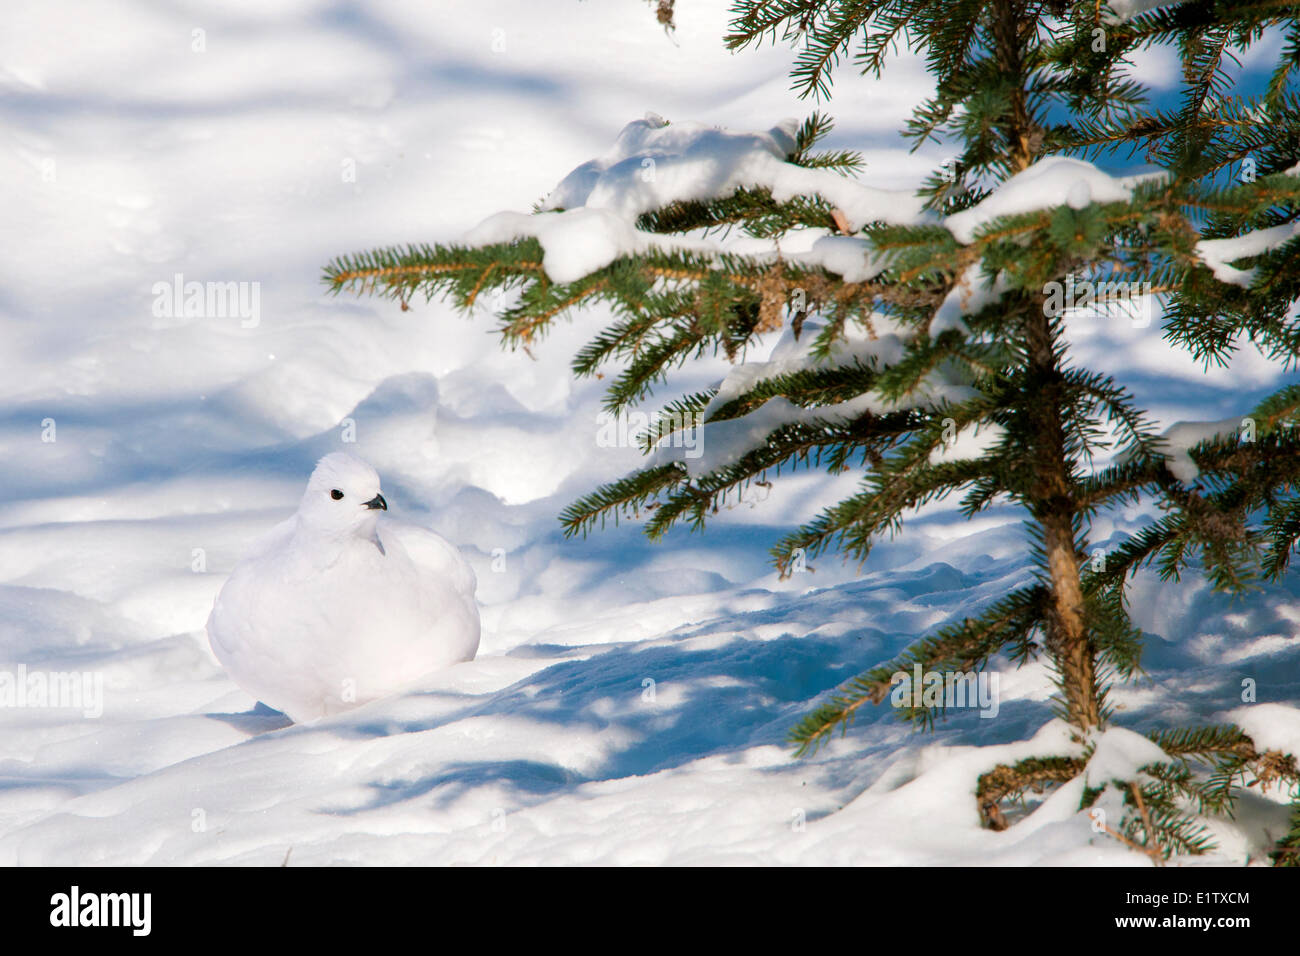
[1132, 845]
[1154, 849]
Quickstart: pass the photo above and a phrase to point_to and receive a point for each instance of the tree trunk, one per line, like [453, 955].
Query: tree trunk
[1053, 507]
[1051, 501]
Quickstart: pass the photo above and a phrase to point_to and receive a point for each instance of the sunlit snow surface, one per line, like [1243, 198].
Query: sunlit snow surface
[630, 701]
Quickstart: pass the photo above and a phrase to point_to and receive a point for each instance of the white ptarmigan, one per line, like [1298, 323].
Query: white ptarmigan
[334, 608]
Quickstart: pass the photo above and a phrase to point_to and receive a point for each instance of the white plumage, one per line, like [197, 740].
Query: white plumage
[336, 606]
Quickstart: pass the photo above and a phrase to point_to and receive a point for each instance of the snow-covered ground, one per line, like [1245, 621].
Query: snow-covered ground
[630, 701]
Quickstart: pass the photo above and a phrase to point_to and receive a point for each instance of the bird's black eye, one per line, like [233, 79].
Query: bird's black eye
[336, 495]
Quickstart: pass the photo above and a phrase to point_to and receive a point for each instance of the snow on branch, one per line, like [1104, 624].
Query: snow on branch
[578, 242]
[1120, 754]
[1124, 10]
[1050, 182]
[590, 220]
[590, 217]
[1177, 441]
[1217, 253]
[969, 295]
[655, 163]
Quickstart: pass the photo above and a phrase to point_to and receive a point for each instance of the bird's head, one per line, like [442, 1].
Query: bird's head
[342, 497]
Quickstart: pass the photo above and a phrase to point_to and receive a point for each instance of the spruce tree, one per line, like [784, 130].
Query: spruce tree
[971, 276]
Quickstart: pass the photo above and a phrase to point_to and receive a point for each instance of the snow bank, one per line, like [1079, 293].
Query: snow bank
[973, 441]
[725, 442]
[881, 346]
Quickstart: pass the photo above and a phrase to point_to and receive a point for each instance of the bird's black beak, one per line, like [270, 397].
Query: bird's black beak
[377, 503]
